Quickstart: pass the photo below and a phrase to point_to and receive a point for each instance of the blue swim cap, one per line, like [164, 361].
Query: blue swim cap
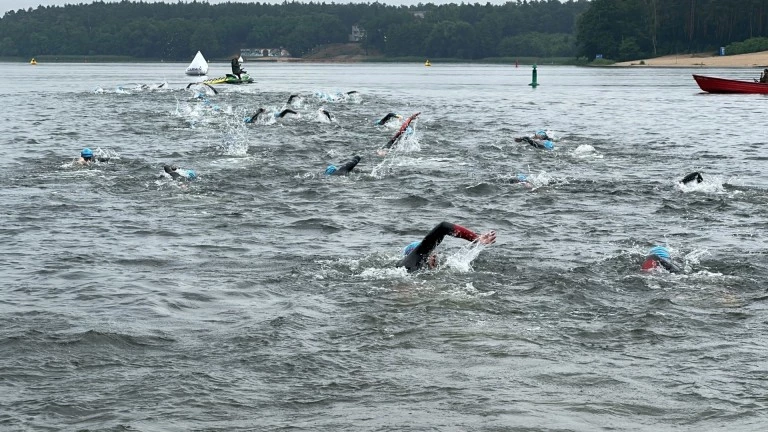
[247, 120]
[541, 132]
[86, 153]
[659, 251]
[522, 177]
[330, 170]
[191, 175]
[408, 249]
[549, 145]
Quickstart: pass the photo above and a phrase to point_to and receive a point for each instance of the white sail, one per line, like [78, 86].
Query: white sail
[198, 66]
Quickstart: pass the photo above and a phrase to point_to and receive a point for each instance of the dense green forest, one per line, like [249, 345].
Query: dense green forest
[631, 29]
[175, 31]
[617, 29]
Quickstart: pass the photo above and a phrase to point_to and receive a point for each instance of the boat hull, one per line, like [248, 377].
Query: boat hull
[230, 79]
[722, 85]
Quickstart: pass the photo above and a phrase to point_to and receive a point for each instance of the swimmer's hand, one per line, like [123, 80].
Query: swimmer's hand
[487, 238]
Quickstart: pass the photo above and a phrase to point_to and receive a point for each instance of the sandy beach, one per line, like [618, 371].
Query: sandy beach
[752, 60]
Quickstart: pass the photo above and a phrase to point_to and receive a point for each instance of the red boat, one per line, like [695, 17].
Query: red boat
[722, 85]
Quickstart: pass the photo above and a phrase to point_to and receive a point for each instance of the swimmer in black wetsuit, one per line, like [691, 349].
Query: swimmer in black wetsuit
[657, 257]
[403, 129]
[326, 114]
[281, 114]
[254, 117]
[547, 144]
[344, 169]
[86, 157]
[539, 140]
[520, 178]
[292, 97]
[208, 85]
[387, 118]
[691, 177]
[173, 171]
[419, 254]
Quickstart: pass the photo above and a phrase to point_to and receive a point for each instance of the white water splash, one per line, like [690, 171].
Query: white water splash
[711, 184]
[461, 260]
[586, 151]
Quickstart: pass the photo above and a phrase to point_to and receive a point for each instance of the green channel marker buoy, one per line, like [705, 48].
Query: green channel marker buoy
[533, 78]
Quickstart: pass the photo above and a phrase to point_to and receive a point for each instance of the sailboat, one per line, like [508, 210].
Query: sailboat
[198, 66]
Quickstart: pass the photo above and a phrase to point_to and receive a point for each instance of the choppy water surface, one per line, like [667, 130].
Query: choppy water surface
[263, 295]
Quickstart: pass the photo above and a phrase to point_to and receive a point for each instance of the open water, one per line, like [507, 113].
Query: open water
[263, 295]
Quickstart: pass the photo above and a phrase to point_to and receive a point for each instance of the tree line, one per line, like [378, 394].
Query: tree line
[175, 31]
[631, 29]
[617, 29]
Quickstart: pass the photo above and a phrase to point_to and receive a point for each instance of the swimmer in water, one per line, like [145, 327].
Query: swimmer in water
[658, 257]
[281, 114]
[87, 157]
[539, 140]
[403, 128]
[694, 176]
[326, 114]
[343, 170]
[208, 85]
[521, 179]
[387, 118]
[420, 254]
[177, 173]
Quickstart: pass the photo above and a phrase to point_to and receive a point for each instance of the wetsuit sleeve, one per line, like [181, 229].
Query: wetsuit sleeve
[171, 172]
[348, 166]
[668, 265]
[386, 118]
[416, 259]
[403, 128]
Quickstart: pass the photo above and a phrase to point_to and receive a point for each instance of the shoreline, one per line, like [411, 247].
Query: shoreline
[705, 60]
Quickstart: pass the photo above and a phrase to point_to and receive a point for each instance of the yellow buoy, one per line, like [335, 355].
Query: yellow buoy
[427, 63]
[33, 61]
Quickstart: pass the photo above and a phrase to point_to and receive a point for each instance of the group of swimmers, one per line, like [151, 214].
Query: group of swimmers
[421, 254]
[659, 257]
[87, 157]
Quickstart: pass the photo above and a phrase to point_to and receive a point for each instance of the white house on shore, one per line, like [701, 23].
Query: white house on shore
[257, 53]
[357, 34]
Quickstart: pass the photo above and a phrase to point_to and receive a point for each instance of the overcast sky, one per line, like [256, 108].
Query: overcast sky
[8, 5]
